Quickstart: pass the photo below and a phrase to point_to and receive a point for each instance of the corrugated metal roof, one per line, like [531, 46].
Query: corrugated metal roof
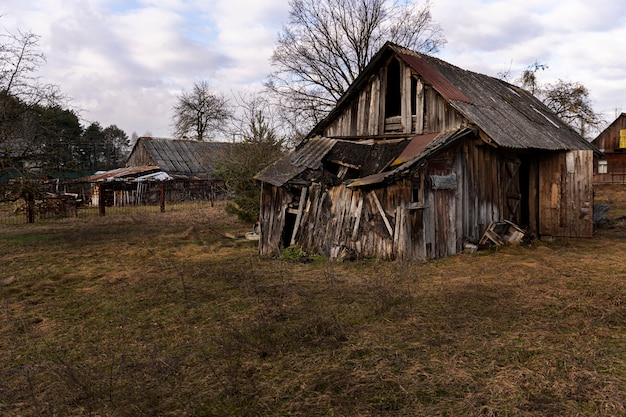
[364, 157]
[510, 116]
[420, 148]
[308, 154]
[120, 174]
[434, 77]
[185, 158]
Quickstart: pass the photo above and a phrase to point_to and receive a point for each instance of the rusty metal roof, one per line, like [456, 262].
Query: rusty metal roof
[364, 157]
[509, 116]
[432, 76]
[414, 148]
[120, 174]
[420, 148]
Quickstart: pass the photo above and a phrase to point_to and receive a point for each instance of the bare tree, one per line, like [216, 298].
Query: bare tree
[567, 99]
[571, 102]
[327, 43]
[23, 97]
[19, 62]
[200, 112]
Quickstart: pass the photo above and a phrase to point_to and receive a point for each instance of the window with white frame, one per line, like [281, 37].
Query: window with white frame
[603, 166]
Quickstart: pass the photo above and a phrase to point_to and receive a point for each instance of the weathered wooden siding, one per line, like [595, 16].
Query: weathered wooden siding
[616, 169]
[364, 116]
[566, 194]
[274, 203]
[339, 220]
[609, 140]
[140, 156]
[481, 180]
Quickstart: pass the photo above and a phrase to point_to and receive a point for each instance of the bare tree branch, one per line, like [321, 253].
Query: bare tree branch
[200, 113]
[327, 43]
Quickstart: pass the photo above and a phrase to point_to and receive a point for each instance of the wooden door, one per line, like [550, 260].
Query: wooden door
[512, 194]
[566, 194]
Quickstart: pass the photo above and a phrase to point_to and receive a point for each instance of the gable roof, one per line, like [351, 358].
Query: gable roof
[509, 116]
[179, 158]
[618, 120]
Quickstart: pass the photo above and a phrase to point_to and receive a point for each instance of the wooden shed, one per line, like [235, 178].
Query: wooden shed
[161, 169]
[611, 167]
[181, 159]
[418, 159]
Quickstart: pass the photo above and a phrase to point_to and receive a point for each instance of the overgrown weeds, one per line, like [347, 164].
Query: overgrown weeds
[165, 316]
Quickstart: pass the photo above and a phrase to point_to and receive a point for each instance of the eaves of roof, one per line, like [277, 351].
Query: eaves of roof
[119, 174]
[420, 148]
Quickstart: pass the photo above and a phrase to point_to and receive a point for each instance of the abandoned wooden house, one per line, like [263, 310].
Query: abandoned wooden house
[182, 169]
[610, 168]
[418, 159]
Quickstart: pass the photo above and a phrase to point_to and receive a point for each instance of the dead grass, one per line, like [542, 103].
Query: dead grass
[163, 315]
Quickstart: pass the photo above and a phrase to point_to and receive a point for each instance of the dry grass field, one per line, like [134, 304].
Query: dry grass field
[162, 315]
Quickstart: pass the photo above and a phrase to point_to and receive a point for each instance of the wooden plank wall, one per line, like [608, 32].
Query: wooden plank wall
[140, 156]
[364, 116]
[566, 194]
[341, 221]
[274, 202]
[608, 140]
[616, 170]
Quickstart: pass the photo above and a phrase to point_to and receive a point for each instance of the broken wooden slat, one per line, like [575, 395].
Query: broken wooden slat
[359, 209]
[372, 196]
[301, 204]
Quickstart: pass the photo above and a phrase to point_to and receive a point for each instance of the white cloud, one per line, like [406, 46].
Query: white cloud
[124, 61]
[578, 40]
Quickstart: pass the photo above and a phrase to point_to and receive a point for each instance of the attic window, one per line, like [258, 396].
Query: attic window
[413, 96]
[393, 99]
[622, 138]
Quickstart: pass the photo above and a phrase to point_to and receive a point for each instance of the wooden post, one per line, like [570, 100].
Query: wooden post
[162, 197]
[301, 205]
[372, 196]
[30, 207]
[101, 205]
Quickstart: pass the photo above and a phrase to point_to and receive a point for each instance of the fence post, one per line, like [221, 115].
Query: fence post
[162, 197]
[30, 207]
[101, 205]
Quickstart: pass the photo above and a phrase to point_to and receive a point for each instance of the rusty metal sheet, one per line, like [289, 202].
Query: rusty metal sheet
[120, 173]
[414, 148]
[434, 77]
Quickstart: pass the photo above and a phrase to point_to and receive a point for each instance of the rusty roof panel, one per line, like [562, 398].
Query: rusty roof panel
[414, 148]
[434, 77]
[120, 174]
[421, 147]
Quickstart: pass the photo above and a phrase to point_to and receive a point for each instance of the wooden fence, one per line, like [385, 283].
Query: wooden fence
[111, 198]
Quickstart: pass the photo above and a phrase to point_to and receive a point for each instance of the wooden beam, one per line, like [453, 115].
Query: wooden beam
[372, 196]
[301, 205]
[357, 223]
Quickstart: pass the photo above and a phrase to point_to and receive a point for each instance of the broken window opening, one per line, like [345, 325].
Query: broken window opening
[413, 96]
[393, 100]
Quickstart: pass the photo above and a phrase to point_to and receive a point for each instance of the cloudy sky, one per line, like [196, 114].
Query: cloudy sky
[124, 62]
